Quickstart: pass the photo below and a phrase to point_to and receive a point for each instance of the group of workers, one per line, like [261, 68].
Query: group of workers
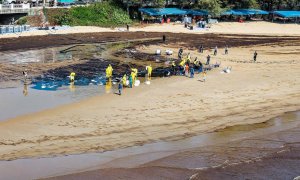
[186, 67]
[128, 80]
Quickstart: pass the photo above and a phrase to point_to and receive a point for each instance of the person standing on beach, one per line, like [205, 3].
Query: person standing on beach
[127, 27]
[186, 69]
[25, 74]
[149, 71]
[216, 50]
[180, 53]
[188, 57]
[134, 73]
[173, 67]
[72, 77]
[208, 60]
[124, 79]
[120, 87]
[200, 67]
[226, 49]
[109, 71]
[130, 80]
[201, 48]
[192, 71]
[255, 56]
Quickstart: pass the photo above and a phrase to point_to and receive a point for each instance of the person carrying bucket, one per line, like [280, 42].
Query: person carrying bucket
[149, 71]
[72, 76]
[109, 71]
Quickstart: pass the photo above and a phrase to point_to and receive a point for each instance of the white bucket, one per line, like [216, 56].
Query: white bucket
[158, 52]
[137, 83]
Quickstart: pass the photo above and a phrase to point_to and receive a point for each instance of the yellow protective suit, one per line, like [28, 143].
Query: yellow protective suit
[182, 63]
[72, 76]
[124, 79]
[149, 71]
[173, 64]
[109, 71]
[134, 74]
[188, 57]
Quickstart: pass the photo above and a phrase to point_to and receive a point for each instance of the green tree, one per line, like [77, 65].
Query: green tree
[292, 4]
[213, 6]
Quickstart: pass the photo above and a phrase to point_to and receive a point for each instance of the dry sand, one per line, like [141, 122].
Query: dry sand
[168, 109]
[256, 27]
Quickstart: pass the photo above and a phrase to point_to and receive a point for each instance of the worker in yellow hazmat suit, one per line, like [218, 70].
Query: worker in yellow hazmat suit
[182, 63]
[134, 73]
[109, 71]
[124, 79]
[72, 76]
[149, 71]
[188, 57]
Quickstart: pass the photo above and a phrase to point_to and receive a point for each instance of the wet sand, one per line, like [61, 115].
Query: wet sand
[257, 154]
[84, 54]
[140, 156]
[169, 109]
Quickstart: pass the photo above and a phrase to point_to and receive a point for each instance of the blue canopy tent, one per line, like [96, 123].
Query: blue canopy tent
[245, 12]
[288, 14]
[232, 12]
[196, 12]
[162, 11]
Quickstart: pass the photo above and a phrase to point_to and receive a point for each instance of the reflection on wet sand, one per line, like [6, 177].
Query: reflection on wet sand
[25, 89]
[108, 85]
[72, 86]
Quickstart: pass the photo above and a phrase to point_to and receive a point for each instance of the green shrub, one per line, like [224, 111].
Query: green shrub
[22, 20]
[106, 14]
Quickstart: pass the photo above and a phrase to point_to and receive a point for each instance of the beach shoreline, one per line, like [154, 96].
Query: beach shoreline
[171, 108]
[92, 126]
[253, 27]
[265, 153]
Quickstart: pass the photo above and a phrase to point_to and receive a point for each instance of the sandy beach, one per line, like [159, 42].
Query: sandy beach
[171, 108]
[255, 27]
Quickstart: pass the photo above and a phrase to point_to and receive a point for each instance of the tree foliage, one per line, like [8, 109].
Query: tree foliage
[106, 14]
[213, 6]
